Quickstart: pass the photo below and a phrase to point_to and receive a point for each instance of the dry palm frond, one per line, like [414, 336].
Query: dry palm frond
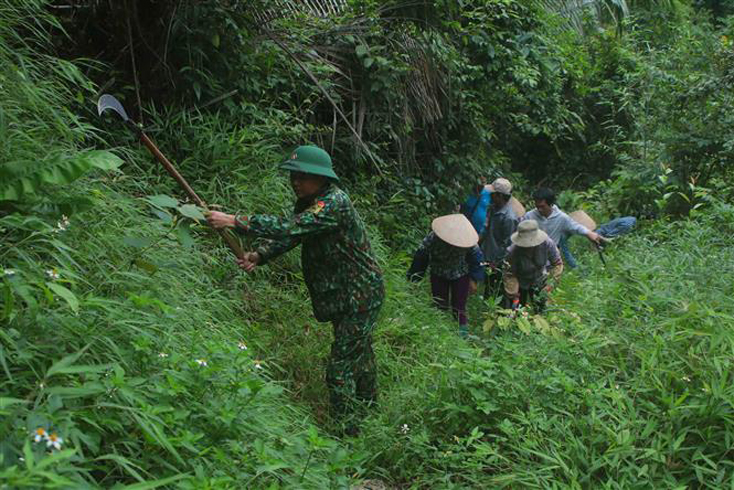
[576, 12]
[290, 8]
[426, 84]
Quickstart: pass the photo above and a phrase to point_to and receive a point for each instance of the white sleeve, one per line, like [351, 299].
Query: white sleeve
[574, 227]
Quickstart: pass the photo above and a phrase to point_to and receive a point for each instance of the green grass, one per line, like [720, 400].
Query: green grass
[132, 352]
[635, 391]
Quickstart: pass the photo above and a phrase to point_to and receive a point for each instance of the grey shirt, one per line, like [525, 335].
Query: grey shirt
[557, 225]
[501, 224]
[531, 265]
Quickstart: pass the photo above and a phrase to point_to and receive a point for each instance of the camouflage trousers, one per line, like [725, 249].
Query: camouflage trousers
[351, 374]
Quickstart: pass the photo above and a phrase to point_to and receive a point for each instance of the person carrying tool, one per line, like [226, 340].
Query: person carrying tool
[554, 222]
[455, 259]
[501, 224]
[531, 260]
[608, 232]
[340, 270]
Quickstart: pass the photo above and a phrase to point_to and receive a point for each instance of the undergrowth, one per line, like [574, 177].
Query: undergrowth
[162, 361]
[135, 355]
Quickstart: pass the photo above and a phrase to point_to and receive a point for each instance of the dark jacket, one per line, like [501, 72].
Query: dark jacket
[446, 261]
[501, 224]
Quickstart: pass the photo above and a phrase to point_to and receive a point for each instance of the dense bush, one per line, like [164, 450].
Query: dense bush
[127, 332]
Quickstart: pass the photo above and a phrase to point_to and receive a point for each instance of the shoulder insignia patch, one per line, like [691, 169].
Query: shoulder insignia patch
[316, 207]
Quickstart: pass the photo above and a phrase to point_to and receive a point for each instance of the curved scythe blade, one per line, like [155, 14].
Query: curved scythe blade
[109, 102]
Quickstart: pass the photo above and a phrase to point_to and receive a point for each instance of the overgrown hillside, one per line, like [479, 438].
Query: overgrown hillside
[134, 354]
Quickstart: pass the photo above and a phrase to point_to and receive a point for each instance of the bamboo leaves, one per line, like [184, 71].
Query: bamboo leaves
[21, 179]
[65, 294]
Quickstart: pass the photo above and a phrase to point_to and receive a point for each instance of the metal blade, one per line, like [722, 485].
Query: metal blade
[109, 102]
[601, 255]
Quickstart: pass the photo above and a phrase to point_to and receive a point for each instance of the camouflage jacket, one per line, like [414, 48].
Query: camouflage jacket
[339, 268]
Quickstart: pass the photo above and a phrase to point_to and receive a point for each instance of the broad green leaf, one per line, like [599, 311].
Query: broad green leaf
[55, 457]
[65, 362]
[30, 459]
[503, 322]
[164, 216]
[84, 368]
[102, 159]
[163, 201]
[137, 241]
[184, 235]
[4, 363]
[8, 302]
[524, 325]
[154, 431]
[191, 211]
[541, 324]
[68, 296]
[6, 402]
[146, 266]
[154, 484]
[24, 178]
[144, 301]
[87, 389]
[126, 464]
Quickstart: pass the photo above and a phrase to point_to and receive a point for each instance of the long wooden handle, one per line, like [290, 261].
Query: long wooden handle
[229, 239]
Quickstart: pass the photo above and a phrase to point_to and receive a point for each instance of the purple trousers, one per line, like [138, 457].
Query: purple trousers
[453, 292]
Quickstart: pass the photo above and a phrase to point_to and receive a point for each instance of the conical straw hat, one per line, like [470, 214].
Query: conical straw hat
[517, 207]
[455, 230]
[528, 234]
[582, 218]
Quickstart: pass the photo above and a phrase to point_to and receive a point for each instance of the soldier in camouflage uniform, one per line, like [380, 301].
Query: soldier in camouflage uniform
[340, 270]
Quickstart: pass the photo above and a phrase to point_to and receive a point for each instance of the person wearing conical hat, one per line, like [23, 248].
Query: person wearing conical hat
[501, 224]
[340, 270]
[455, 261]
[532, 260]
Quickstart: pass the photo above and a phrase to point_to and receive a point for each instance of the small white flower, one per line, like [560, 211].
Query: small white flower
[40, 434]
[686, 379]
[41, 385]
[51, 273]
[202, 362]
[8, 272]
[258, 365]
[63, 224]
[54, 441]
[162, 354]
[241, 346]
[404, 428]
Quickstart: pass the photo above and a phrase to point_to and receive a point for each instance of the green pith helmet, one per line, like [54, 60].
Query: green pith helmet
[310, 160]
